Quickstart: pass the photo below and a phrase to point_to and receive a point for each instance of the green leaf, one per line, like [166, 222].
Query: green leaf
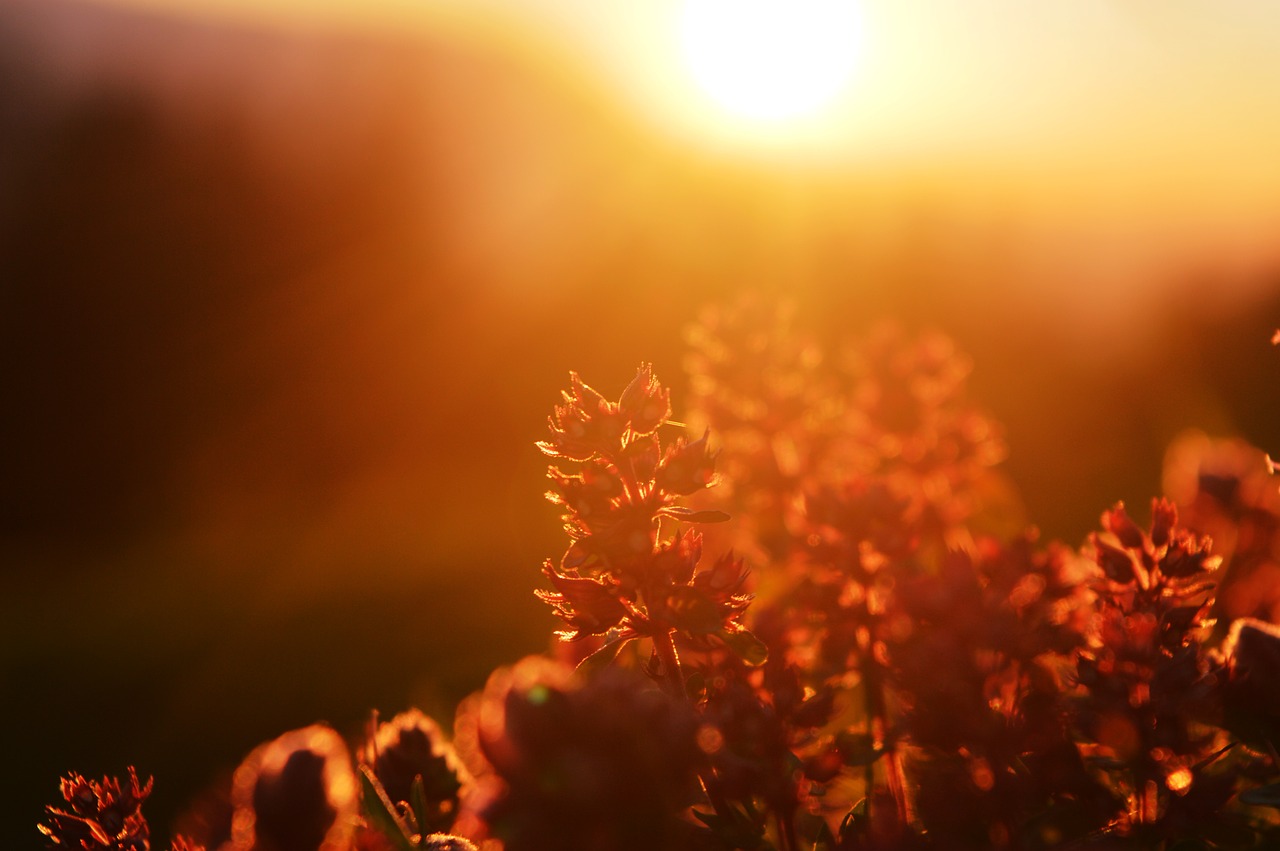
[600, 659]
[418, 805]
[1263, 796]
[750, 649]
[381, 813]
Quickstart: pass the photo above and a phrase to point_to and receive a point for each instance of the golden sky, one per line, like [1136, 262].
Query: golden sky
[1119, 84]
[1144, 129]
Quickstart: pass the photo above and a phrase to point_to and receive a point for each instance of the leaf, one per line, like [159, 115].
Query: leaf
[855, 822]
[98, 833]
[1263, 796]
[600, 659]
[815, 829]
[688, 515]
[736, 829]
[381, 813]
[1212, 758]
[693, 611]
[748, 648]
[1116, 563]
[418, 804]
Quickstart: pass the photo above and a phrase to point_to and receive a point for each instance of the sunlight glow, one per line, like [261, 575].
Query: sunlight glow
[771, 59]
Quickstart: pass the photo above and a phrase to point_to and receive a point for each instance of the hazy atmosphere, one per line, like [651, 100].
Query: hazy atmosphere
[288, 292]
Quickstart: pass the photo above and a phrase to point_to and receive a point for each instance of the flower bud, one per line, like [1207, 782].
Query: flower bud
[296, 793]
[687, 467]
[1187, 556]
[102, 816]
[589, 606]
[1252, 696]
[646, 404]
[1118, 523]
[411, 746]
[607, 762]
[1164, 516]
[1116, 563]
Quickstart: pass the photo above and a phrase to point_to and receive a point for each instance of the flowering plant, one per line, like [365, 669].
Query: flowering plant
[902, 670]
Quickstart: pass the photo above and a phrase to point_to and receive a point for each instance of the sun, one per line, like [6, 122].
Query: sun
[771, 60]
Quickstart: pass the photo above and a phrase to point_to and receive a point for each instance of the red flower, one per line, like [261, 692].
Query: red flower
[296, 792]
[411, 747]
[588, 606]
[101, 816]
[629, 571]
[602, 763]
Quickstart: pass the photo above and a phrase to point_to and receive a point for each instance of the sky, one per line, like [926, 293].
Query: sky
[1148, 128]
[1168, 81]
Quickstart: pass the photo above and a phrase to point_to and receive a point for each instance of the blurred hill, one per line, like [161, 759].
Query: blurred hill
[284, 311]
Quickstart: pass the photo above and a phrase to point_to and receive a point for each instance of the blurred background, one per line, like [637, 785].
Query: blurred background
[287, 291]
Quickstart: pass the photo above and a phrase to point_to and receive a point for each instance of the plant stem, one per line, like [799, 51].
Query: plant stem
[673, 680]
[787, 832]
[877, 724]
[666, 650]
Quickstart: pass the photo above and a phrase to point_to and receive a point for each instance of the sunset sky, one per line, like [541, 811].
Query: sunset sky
[1154, 124]
[1122, 85]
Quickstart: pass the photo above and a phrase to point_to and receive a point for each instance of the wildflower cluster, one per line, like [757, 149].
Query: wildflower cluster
[1148, 692]
[100, 816]
[884, 424]
[917, 673]
[989, 693]
[622, 577]
[299, 792]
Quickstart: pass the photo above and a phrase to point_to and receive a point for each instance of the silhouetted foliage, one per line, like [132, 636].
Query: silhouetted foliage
[908, 672]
